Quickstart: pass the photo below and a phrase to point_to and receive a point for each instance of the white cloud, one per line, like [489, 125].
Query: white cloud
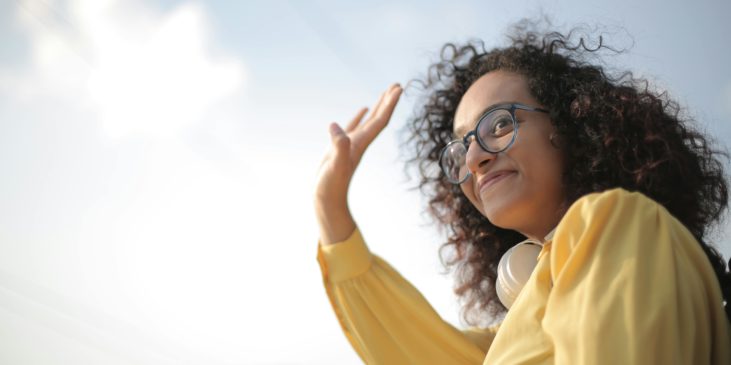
[141, 70]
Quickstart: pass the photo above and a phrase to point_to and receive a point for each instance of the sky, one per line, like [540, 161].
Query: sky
[159, 161]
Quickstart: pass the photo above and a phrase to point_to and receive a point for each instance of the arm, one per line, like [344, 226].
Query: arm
[385, 318]
[631, 285]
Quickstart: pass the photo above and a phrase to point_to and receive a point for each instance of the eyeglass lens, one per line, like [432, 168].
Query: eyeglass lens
[495, 132]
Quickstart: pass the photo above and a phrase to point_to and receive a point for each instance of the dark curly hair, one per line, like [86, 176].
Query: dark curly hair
[622, 133]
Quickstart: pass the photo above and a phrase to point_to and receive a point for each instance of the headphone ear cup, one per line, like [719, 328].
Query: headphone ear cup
[514, 270]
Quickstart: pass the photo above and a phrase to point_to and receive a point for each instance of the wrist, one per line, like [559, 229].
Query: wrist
[336, 225]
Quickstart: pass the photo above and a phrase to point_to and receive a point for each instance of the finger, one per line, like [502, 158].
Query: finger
[356, 120]
[379, 122]
[390, 102]
[377, 105]
[383, 100]
[341, 143]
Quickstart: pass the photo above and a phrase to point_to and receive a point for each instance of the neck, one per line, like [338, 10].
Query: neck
[540, 230]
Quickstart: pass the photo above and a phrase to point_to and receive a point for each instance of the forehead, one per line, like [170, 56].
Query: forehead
[495, 87]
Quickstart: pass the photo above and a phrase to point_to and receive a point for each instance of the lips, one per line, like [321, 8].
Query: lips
[492, 178]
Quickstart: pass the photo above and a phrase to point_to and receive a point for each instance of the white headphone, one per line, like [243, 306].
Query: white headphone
[514, 269]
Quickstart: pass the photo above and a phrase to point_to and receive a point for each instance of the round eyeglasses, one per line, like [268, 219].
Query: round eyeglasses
[495, 132]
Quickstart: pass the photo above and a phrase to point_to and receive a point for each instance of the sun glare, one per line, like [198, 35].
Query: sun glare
[161, 82]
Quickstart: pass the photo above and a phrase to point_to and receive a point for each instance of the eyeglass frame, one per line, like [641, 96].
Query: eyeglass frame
[511, 108]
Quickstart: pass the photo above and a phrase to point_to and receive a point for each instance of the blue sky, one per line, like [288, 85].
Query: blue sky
[160, 159]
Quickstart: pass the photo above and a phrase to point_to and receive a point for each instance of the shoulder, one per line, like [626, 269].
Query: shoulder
[614, 209]
[623, 269]
[618, 222]
[613, 200]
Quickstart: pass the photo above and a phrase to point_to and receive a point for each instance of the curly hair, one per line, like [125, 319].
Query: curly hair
[622, 133]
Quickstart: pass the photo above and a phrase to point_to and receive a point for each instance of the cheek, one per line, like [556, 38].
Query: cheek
[469, 191]
[545, 172]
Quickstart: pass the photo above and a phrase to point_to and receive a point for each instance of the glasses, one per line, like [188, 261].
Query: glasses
[495, 132]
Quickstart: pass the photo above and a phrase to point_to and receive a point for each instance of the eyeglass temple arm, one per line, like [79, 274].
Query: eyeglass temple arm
[529, 108]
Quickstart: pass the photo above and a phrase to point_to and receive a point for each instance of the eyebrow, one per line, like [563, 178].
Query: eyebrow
[460, 132]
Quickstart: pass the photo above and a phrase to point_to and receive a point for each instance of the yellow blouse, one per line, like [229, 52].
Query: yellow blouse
[621, 282]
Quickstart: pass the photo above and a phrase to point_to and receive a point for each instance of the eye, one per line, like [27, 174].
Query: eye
[501, 126]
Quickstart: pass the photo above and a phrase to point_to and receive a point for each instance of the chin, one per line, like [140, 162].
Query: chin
[502, 213]
[497, 217]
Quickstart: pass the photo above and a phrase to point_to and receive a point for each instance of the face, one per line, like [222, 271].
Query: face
[526, 195]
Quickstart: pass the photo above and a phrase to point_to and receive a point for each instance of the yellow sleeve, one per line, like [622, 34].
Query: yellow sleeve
[482, 337]
[385, 318]
[631, 285]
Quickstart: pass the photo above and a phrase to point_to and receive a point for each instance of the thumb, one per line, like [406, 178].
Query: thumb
[341, 143]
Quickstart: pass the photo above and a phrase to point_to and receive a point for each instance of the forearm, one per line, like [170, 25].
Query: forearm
[335, 221]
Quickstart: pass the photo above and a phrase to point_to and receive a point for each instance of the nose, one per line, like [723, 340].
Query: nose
[477, 158]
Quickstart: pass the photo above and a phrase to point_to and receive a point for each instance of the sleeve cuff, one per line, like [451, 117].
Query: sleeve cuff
[344, 260]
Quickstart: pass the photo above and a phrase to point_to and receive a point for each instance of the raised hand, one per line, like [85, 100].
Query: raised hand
[339, 164]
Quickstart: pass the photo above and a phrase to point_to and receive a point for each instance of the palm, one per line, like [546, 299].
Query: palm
[350, 144]
[347, 150]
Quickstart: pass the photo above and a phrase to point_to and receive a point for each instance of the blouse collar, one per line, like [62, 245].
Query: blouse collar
[546, 239]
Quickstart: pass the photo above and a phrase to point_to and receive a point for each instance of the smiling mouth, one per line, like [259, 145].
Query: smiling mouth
[486, 185]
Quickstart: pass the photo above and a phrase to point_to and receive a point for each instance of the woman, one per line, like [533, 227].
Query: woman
[609, 192]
